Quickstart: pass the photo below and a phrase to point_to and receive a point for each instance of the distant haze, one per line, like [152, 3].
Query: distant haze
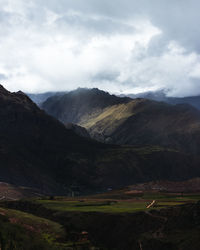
[121, 46]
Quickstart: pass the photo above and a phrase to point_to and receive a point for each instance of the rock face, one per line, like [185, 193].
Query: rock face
[38, 151]
[140, 121]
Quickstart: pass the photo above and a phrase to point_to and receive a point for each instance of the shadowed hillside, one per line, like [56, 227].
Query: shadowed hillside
[147, 122]
[38, 151]
[124, 121]
[80, 104]
[42, 97]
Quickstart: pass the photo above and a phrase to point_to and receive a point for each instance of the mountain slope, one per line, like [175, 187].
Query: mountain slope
[42, 97]
[148, 122]
[38, 151]
[124, 121]
[35, 148]
[78, 129]
[80, 104]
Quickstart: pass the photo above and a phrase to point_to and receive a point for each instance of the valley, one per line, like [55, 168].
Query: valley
[39, 152]
[66, 190]
[87, 222]
[99, 125]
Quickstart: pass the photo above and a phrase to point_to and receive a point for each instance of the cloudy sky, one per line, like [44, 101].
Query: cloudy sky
[122, 46]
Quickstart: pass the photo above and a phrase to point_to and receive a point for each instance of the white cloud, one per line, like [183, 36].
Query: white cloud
[119, 46]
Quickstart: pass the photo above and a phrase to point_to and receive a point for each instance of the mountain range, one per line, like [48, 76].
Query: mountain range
[38, 151]
[122, 120]
[162, 96]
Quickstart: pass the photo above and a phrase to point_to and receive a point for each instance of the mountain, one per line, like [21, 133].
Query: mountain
[41, 97]
[38, 151]
[145, 122]
[34, 147]
[80, 104]
[158, 95]
[140, 121]
[192, 100]
[161, 96]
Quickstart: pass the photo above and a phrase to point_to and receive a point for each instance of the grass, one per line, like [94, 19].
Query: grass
[117, 113]
[118, 206]
[52, 232]
[47, 229]
[91, 206]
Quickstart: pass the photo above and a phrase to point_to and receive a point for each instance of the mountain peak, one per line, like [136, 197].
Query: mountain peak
[20, 93]
[78, 104]
[88, 91]
[16, 98]
[3, 91]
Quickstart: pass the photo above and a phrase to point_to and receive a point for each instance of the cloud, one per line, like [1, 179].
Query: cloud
[120, 46]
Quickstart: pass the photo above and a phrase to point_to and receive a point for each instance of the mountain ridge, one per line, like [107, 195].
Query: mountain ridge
[80, 102]
[130, 121]
[37, 151]
[161, 95]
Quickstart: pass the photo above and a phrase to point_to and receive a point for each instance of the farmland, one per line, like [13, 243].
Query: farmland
[172, 222]
[115, 202]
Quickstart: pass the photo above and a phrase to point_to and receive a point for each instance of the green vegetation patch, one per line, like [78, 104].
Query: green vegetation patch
[134, 204]
[16, 237]
[48, 229]
[95, 206]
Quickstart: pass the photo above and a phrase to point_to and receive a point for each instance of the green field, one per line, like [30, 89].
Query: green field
[58, 223]
[92, 206]
[118, 206]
